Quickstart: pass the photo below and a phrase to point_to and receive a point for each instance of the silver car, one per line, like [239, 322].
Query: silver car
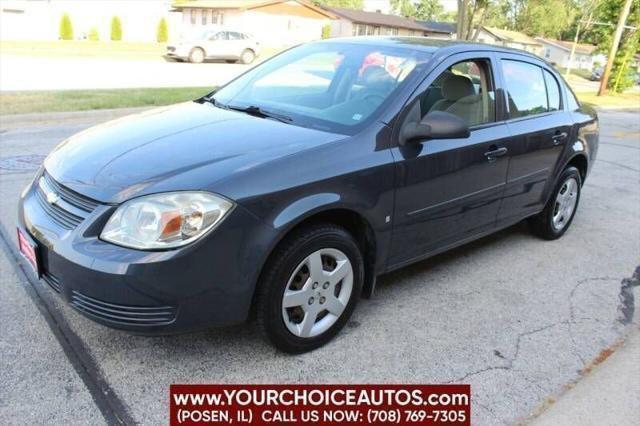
[216, 44]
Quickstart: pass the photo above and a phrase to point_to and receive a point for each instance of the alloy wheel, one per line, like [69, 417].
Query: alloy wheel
[565, 204]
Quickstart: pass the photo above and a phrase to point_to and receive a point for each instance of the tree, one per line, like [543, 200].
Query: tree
[471, 16]
[116, 29]
[162, 34]
[66, 29]
[546, 18]
[346, 4]
[93, 34]
[428, 10]
[404, 8]
[326, 31]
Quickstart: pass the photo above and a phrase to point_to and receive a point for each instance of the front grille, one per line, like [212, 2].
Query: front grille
[123, 314]
[71, 197]
[69, 209]
[52, 281]
[59, 215]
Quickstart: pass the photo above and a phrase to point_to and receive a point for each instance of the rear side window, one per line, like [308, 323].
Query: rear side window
[553, 91]
[572, 102]
[526, 89]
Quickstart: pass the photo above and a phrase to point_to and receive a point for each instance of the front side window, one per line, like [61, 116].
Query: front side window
[465, 89]
[330, 86]
[526, 90]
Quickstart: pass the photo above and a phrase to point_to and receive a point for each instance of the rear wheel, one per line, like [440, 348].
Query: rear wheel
[310, 288]
[247, 56]
[558, 214]
[196, 56]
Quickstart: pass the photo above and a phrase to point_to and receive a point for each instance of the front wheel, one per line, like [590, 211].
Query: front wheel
[247, 56]
[310, 288]
[196, 56]
[558, 214]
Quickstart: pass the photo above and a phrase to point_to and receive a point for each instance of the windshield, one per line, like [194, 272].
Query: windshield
[328, 86]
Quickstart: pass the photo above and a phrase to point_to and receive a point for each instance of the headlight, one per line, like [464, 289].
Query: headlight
[163, 221]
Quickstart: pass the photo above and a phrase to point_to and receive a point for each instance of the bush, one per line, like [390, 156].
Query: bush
[93, 34]
[116, 29]
[162, 34]
[326, 31]
[66, 29]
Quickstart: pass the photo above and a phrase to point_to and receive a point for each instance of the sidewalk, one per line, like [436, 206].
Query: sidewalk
[609, 395]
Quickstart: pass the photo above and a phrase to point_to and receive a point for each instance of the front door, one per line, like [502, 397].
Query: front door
[449, 190]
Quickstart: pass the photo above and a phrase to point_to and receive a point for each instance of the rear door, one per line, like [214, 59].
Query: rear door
[539, 129]
[449, 190]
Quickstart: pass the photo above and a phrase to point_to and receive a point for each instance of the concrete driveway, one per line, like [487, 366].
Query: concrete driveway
[516, 317]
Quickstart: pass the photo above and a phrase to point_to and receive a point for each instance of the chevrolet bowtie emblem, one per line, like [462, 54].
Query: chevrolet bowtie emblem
[52, 197]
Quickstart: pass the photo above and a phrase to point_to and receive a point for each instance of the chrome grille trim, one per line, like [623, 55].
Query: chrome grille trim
[52, 281]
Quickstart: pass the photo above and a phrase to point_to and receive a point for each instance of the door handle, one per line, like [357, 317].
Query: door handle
[559, 137]
[495, 153]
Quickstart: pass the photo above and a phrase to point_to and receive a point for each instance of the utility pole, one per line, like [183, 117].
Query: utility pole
[575, 43]
[614, 46]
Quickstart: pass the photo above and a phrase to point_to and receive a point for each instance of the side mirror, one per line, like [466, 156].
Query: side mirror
[435, 125]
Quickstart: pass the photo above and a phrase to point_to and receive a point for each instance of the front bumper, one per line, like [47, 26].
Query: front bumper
[209, 282]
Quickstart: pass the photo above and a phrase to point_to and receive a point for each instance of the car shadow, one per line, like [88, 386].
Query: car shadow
[246, 337]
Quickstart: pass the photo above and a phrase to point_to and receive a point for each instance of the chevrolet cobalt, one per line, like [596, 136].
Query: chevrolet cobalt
[285, 193]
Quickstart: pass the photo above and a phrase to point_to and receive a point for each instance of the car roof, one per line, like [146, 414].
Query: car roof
[426, 44]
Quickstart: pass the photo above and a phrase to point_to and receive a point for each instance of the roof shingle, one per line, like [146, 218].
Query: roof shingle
[376, 18]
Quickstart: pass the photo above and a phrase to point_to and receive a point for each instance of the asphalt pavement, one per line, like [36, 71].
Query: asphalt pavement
[518, 318]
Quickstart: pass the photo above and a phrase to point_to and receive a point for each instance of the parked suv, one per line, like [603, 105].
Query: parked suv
[289, 190]
[216, 44]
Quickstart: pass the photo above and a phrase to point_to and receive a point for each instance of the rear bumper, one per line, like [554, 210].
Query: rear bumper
[207, 283]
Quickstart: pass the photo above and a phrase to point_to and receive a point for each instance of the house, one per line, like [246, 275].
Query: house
[351, 22]
[443, 30]
[558, 52]
[272, 22]
[509, 38]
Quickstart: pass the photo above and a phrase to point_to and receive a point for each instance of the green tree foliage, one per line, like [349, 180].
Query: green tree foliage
[326, 31]
[66, 29]
[546, 18]
[162, 34]
[608, 11]
[116, 29]
[93, 34]
[428, 10]
[346, 4]
[404, 8]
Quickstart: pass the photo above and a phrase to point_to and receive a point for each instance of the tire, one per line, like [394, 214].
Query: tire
[560, 207]
[247, 56]
[196, 56]
[309, 325]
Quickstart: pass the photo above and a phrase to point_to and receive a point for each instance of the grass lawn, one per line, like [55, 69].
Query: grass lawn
[629, 99]
[82, 100]
[84, 49]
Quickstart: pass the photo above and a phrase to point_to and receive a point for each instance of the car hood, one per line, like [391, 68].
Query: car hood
[187, 146]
